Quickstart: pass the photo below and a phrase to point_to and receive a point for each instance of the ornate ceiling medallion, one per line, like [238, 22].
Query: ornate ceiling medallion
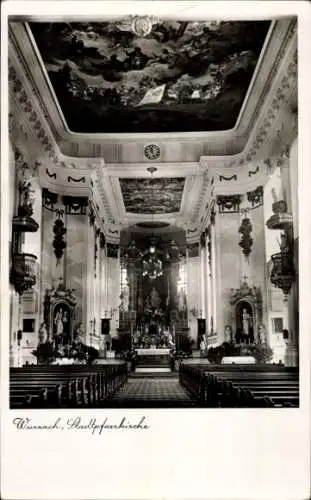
[152, 152]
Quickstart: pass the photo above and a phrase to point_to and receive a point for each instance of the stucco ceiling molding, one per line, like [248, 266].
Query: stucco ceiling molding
[63, 182]
[276, 110]
[114, 196]
[20, 89]
[282, 96]
[275, 50]
[129, 170]
[188, 197]
[98, 182]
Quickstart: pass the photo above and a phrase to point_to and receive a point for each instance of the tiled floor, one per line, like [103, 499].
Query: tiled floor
[151, 393]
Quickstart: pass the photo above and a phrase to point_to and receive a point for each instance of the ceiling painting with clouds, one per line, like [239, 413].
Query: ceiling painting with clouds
[180, 77]
[152, 196]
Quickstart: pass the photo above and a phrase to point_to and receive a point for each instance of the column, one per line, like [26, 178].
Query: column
[292, 347]
[173, 285]
[213, 280]
[208, 284]
[202, 277]
[14, 297]
[89, 281]
[106, 282]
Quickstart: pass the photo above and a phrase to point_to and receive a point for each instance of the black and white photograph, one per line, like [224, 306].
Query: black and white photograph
[154, 217]
[159, 273]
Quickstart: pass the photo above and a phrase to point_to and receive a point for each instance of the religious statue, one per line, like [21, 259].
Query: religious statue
[284, 246]
[124, 297]
[228, 334]
[28, 197]
[154, 298]
[65, 320]
[262, 334]
[43, 333]
[170, 340]
[246, 326]
[58, 322]
[79, 333]
[203, 345]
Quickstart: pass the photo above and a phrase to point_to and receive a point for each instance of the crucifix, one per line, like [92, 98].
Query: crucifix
[245, 278]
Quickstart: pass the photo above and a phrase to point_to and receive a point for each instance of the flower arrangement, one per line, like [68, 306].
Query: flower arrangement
[47, 352]
[261, 352]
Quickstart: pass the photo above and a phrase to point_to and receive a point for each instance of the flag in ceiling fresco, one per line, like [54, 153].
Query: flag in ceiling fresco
[152, 196]
[182, 77]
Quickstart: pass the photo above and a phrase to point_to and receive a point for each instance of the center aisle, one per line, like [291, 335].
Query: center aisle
[151, 392]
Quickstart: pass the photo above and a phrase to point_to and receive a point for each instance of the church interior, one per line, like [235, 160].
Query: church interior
[153, 213]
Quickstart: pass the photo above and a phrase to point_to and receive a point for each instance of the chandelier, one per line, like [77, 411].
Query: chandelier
[152, 263]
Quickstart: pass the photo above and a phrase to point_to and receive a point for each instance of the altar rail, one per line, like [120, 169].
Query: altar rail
[68, 386]
[241, 386]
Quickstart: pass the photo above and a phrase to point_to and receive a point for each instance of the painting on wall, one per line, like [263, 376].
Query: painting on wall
[180, 77]
[152, 196]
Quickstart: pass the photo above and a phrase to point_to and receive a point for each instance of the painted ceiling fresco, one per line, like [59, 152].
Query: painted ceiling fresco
[152, 196]
[182, 76]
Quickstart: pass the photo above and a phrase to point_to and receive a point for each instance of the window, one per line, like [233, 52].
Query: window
[123, 277]
[182, 278]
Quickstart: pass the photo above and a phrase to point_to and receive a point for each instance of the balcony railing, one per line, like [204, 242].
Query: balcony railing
[23, 271]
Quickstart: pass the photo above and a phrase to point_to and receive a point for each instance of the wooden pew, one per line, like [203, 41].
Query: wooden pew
[237, 386]
[64, 386]
[282, 388]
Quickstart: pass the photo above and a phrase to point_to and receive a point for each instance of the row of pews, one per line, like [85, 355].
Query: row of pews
[241, 386]
[70, 386]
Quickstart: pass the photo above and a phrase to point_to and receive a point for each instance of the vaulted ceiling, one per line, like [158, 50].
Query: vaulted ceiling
[217, 97]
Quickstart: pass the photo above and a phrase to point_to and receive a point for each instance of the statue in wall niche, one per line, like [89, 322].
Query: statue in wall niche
[58, 322]
[246, 326]
[65, 320]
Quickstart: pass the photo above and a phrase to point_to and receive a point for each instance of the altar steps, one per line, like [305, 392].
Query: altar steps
[146, 373]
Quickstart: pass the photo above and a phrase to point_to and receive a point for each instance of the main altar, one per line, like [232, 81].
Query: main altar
[153, 358]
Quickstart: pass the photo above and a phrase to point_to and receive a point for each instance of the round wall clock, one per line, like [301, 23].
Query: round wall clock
[152, 152]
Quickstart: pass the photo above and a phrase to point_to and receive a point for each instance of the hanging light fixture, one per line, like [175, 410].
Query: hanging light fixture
[152, 262]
